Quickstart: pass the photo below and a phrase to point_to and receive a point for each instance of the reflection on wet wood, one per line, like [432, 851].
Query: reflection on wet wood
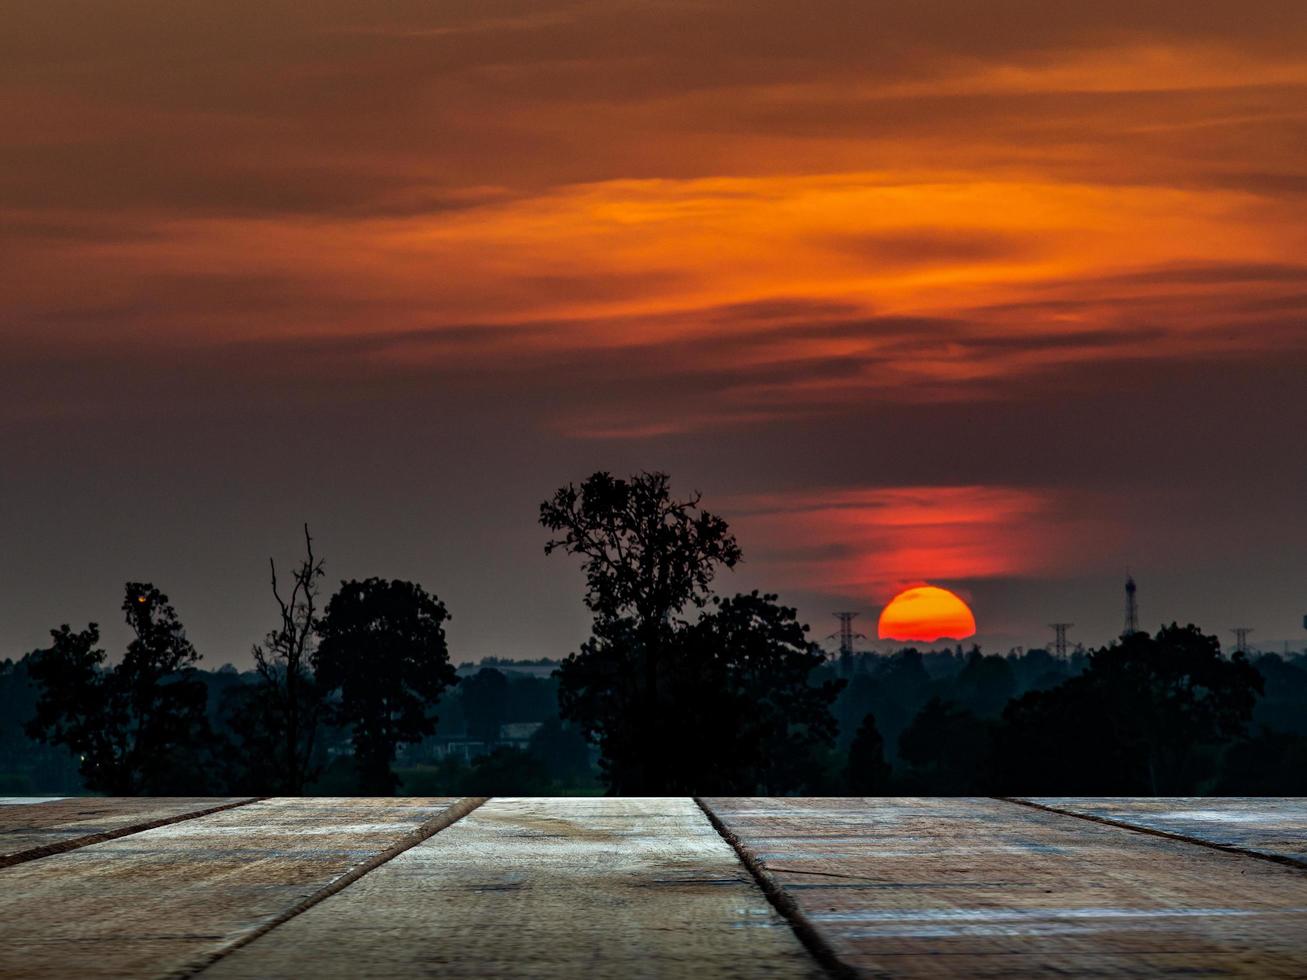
[986, 888]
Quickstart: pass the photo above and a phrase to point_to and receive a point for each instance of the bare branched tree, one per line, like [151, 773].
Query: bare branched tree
[286, 661]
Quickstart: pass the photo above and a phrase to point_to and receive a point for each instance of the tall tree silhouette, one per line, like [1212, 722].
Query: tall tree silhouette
[986, 683]
[646, 556]
[949, 748]
[868, 773]
[382, 646]
[894, 691]
[289, 694]
[564, 752]
[718, 705]
[485, 703]
[139, 726]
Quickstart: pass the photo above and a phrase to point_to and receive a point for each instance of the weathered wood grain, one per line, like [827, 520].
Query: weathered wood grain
[542, 888]
[1271, 827]
[160, 901]
[50, 827]
[987, 888]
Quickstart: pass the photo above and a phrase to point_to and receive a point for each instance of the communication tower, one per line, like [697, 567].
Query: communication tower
[1059, 638]
[1241, 638]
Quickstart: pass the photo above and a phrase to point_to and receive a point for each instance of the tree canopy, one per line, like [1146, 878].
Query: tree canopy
[719, 704]
[383, 649]
[1132, 722]
[645, 554]
[137, 726]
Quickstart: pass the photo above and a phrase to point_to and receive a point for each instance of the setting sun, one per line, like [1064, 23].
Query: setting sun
[926, 613]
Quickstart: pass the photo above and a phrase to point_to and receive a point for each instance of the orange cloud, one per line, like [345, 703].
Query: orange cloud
[990, 209]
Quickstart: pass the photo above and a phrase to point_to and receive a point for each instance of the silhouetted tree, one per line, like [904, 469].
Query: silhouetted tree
[251, 739]
[722, 704]
[1283, 705]
[1061, 742]
[855, 702]
[740, 685]
[564, 753]
[868, 773]
[531, 698]
[1269, 764]
[505, 771]
[949, 749]
[139, 726]
[277, 720]
[1133, 721]
[985, 684]
[1038, 670]
[898, 689]
[29, 767]
[646, 557]
[485, 703]
[382, 646]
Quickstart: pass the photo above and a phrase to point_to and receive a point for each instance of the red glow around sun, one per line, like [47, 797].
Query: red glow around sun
[925, 614]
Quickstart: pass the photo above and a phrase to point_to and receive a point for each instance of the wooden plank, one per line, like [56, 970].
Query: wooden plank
[987, 888]
[1273, 827]
[621, 888]
[163, 900]
[50, 827]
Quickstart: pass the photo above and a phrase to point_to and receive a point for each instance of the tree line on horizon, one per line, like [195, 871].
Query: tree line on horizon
[679, 690]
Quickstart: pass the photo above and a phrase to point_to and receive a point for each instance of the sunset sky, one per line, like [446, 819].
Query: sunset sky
[1009, 297]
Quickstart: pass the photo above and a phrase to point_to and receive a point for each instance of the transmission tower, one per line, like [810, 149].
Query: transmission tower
[1131, 607]
[846, 637]
[1241, 638]
[1059, 638]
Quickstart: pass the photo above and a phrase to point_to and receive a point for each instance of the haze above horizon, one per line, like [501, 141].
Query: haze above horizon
[999, 297]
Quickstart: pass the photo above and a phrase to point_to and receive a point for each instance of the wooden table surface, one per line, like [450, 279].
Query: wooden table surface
[636, 888]
[29, 830]
[1272, 828]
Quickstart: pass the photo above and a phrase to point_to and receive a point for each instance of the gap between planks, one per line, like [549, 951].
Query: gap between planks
[427, 830]
[64, 846]
[807, 934]
[1158, 832]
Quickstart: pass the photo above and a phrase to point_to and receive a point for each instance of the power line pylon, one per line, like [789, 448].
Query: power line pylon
[1131, 607]
[846, 637]
[1059, 638]
[1241, 638]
